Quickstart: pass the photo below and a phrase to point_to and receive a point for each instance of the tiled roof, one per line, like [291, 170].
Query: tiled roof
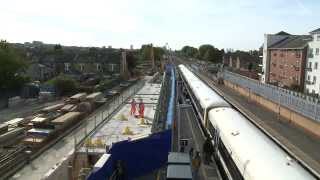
[315, 31]
[292, 42]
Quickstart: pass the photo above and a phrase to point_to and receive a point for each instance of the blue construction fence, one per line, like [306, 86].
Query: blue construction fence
[139, 157]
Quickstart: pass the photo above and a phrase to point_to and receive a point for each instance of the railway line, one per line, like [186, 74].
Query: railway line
[304, 160]
[15, 156]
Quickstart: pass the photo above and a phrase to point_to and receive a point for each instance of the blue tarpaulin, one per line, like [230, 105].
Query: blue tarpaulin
[171, 103]
[139, 157]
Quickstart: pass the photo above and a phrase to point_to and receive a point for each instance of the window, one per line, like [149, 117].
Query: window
[316, 65]
[318, 37]
[81, 67]
[274, 54]
[66, 67]
[310, 64]
[308, 77]
[317, 51]
[307, 90]
[98, 67]
[298, 54]
[313, 91]
[310, 52]
[314, 79]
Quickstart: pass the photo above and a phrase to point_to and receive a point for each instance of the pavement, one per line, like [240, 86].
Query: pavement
[304, 145]
[112, 131]
[190, 129]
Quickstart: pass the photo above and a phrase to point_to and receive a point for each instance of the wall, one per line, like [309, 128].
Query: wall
[61, 170]
[305, 123]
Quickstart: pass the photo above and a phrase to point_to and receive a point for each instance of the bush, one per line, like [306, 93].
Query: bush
[64, 85]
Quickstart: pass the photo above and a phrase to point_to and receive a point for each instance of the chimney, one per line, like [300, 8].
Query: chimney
[238, 63]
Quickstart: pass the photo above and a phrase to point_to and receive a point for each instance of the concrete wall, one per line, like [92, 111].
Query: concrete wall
[309, 125]
[61, 170]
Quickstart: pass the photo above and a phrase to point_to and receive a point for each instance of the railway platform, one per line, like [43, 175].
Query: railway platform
[190, 130]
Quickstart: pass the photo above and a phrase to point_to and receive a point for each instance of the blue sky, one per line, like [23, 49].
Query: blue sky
[237, 24]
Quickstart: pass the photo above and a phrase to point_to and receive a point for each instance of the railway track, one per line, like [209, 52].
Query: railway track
[303, 159]
[11, 159]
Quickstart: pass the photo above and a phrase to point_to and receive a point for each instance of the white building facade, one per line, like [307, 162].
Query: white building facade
[312, 85]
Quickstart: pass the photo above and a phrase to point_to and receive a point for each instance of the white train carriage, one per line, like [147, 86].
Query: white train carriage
[204, 96]
[254, 154]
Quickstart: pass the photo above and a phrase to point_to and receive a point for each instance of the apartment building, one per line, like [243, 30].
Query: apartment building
[312, 75]
[284, 60]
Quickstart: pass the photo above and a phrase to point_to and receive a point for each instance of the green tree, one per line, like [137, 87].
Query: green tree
[57, 47]
[64, 85]
[11, 70]
[208, 52]
[146, 52]
[190, 51]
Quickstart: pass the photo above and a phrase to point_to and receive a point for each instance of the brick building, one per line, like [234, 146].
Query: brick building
[287, 60]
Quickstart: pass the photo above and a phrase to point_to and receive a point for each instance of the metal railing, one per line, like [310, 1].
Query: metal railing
[301, 103]
[161, 109]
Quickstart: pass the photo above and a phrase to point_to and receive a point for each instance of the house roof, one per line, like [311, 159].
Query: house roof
[292, 42]
[315, 31]
[282, 33]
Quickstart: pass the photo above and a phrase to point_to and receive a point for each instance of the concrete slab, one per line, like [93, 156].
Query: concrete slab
[113, 130]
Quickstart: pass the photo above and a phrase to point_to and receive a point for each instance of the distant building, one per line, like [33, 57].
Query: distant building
[284, 59]
[39, 72]
[244, 63]
[312, 77]
[269, 39]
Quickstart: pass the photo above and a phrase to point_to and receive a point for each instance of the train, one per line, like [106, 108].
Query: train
[242, 150]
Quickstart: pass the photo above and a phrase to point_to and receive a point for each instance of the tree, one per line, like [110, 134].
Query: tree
[190, 51]
[11, 68]
[250, 66]
[131, 61]
[146, 52]
[57, 47]
[64, 85]
[208, 52]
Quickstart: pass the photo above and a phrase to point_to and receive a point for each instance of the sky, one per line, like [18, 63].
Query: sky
[236, 24]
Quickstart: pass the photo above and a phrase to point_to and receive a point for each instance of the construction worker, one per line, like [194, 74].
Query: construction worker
[141, 109]
[133, 108]
[196, 162]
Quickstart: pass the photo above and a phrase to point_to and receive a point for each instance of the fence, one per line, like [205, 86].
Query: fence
[298, 102]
